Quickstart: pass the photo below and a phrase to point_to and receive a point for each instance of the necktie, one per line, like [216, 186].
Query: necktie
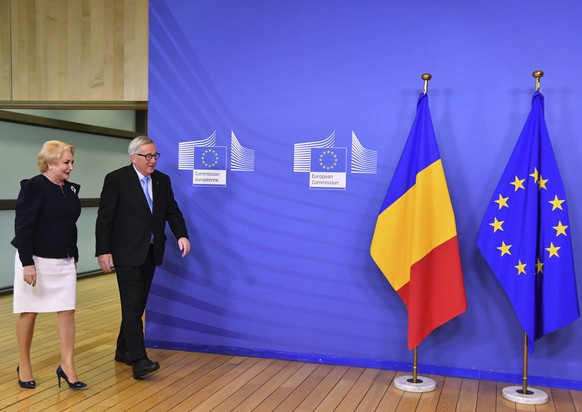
[146, 191]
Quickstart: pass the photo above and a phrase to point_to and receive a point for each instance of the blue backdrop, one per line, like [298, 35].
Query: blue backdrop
[243, 96]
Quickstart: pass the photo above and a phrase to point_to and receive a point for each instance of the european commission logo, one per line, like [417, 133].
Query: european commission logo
[208, 161]
[327, 164]
[328, 168]
[242, 159]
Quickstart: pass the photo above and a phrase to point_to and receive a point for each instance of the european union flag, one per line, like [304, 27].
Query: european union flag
[525, 234]
[210, 158]
[328, 159]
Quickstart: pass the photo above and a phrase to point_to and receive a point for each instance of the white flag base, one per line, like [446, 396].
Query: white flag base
[406, 383]
[533, 397]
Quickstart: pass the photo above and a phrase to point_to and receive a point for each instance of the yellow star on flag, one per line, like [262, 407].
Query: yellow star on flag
[502, 201]
[520, 268]
[518, 183]
[504, 248]
[497, 225]
[553, 250]
[556, 203]
[560, 229]
[542, 183]
[539, 266]
[535, 175]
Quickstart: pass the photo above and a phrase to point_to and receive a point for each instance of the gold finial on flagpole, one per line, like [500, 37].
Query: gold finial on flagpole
[426, 77]
[538, 75]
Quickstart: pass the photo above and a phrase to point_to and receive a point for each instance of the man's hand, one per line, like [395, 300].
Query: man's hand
[184, 245]
[105, 262]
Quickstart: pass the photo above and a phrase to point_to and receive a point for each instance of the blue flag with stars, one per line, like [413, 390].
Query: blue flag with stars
[525, 234]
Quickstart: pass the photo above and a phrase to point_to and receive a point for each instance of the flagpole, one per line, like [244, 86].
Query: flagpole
[426, 77]
[415, 366]
[538, 75]
[523, 394]
[414, 383]
[406, 382]
[525, 360]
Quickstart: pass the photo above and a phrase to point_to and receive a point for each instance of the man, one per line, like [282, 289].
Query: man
[136, 201]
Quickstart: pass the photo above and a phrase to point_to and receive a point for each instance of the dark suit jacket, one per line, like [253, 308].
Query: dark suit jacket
[46, 216]
[124, 223]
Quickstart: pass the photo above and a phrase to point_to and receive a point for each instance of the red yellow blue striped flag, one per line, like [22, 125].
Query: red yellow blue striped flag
[415, 241]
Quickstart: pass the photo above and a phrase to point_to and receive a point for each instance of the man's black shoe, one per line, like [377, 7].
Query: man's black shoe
[123, 357]
[144, 367]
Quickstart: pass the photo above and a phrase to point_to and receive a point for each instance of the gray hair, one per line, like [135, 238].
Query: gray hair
[138, 142]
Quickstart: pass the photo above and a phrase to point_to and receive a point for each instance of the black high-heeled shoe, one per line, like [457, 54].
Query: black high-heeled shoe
[25, 384]
[72, 385]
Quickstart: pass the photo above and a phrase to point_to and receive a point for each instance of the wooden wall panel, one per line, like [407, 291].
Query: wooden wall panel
[25, 59]
[79, 50]
[136, 56]
[5, 53]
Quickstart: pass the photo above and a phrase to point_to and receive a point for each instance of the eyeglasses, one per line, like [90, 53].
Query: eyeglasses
[149, 156]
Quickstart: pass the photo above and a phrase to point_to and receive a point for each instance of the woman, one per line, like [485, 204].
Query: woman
[45, 273]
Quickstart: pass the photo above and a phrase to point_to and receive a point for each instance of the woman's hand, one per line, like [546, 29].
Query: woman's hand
[29, 274]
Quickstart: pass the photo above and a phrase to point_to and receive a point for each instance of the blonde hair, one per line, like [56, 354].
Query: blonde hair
[51, 152]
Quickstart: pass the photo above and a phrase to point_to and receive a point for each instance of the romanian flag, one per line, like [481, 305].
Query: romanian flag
[525, 234]
[415, 241]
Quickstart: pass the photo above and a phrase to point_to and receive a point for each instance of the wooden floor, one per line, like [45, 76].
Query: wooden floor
[206, 382]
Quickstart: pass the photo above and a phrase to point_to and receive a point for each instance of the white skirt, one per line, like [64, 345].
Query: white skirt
[55, 289]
